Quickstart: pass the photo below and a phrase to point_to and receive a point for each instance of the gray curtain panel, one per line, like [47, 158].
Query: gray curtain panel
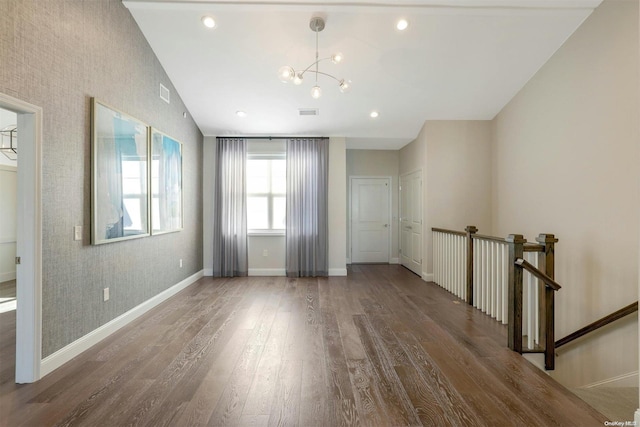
[230, 211]
[307, 207]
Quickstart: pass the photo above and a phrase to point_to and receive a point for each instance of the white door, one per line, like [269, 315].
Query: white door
[411, 221]
[370, 227]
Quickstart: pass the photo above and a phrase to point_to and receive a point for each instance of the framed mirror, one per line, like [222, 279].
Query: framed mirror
[120, 159]
[166, 183]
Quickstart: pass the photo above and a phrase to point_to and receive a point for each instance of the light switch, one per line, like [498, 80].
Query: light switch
[77, 232]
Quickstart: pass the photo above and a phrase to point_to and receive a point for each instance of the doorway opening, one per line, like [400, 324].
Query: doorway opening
[28, 238]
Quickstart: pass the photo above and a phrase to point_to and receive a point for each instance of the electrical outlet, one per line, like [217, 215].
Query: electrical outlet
[105, 294]
[181, 263]
[265, 252]
[77, 232]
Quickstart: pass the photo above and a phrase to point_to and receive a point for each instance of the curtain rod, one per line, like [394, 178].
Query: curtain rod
[270, 138]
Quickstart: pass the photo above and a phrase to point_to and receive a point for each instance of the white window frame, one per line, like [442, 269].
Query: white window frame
[270, 196]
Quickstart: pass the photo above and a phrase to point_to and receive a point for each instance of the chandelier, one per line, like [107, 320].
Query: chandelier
[288, 74]
[9, 142]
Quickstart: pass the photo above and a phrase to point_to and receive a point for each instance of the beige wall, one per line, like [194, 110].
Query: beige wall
[566, 162]
[458, 183]
[270, 263]
[455, 159]
[337, 207]
[382, 163]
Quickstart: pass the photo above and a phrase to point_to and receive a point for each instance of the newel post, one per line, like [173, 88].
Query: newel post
[546, 259]
[471, 230]
[516, 250]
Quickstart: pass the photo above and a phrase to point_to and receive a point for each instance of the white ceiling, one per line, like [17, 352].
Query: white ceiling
[458, 60]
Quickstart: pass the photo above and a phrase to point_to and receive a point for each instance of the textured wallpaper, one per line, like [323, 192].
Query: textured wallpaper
[57, 54]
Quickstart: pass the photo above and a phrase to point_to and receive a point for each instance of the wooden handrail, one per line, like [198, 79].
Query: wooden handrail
[539, 274]
[533, 247]
[625, 311]
[444, 230]
[490, 238]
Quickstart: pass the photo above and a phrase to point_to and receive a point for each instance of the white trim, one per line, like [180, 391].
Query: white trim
[70, 351]
[9, 275]
[637, 417]
[629, 379]
[337, 272]
[394, 261]
[208, 272]
[29, 239]
[348, 260]
[427, 277]
[267, 272]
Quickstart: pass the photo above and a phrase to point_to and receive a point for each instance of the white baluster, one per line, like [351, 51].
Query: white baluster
[476, 267]
[499, 282]
[454, 282]
[465, 258]
[460, 265]
[505, 284]
[530, 307]
[536, 302]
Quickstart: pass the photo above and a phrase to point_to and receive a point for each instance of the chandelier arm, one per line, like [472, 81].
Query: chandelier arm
[309, 67]
[329, 75]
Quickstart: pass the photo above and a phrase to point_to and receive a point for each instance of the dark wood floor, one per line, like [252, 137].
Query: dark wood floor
[377, 348]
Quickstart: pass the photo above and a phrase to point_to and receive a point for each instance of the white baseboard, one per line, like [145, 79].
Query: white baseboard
[337, 272]
[427, 277]
[394, 261]
[208, 272]
[9, 275]
[65, 354]
[267, 272]
[629, 379]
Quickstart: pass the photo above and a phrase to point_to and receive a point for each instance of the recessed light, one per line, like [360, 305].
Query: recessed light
[208, 21]
[402, 24]
[374, 114]
[241, 113]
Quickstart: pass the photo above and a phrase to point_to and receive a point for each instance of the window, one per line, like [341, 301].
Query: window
[266, 190]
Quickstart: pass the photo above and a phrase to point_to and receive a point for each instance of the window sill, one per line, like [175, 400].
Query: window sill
[266, 233]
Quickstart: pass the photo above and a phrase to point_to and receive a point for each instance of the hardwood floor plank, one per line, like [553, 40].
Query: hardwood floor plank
[259, 400]
[314, 400]
[369, 402]
[285, 404]
[341, 399]
[214, 378]
[399, 408]
[229, 408]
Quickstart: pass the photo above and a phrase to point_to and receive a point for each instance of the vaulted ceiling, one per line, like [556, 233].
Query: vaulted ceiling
[457, 60]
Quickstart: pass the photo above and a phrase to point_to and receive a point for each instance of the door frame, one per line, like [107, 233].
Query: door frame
[28, 239]
[349, 217]
[423, 221]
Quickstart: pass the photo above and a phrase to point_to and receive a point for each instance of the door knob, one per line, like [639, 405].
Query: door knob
[386, 225]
